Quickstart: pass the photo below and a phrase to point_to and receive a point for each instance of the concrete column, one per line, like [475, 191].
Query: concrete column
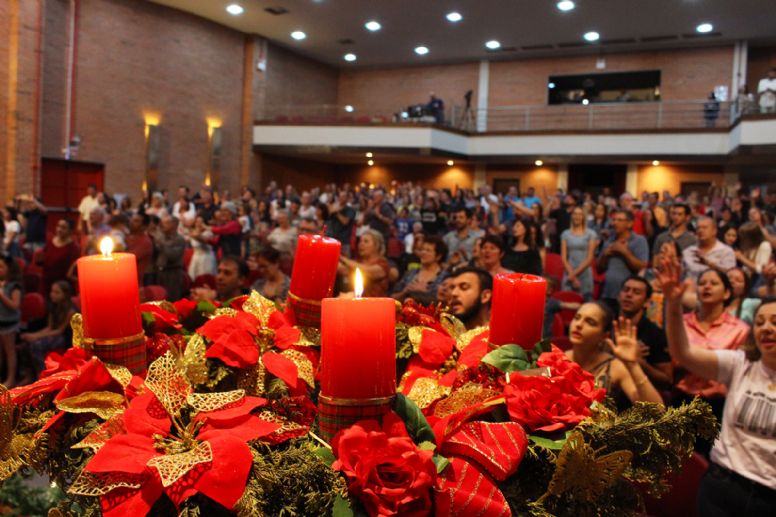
[632, 179]
[479, 175]
[482, 95]
[563, 177]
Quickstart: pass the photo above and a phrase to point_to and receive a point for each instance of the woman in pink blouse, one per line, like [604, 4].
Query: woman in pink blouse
[710, 327]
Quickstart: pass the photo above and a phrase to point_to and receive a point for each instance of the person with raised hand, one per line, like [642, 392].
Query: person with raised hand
[742, 477]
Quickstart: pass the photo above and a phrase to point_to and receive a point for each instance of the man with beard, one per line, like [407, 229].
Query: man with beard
[470, 294]
[230, 278]
[462, 237]
[653, 345]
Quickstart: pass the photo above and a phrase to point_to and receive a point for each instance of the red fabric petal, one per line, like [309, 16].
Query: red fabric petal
[70, 360]
[130, 501]
[475, 351]
[162, 319]
[498, 447]
[244, 428]
[232, 339]
[92, 376]
[225, 480]
[435, 347]
[286, 336]
[146, 416]
[55, 382]
[185, 307]
[238, 409]
[278, 320]
[281, 367]
[123, 453]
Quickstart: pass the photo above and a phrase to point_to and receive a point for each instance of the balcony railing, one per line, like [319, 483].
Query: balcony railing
[684, 115]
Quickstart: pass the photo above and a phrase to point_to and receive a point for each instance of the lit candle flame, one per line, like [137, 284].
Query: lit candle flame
[358, 284]
[106, 246]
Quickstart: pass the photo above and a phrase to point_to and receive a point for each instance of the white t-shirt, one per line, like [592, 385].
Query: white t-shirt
[747, 443]
[12, 231]
[765, 85]
[86, 206]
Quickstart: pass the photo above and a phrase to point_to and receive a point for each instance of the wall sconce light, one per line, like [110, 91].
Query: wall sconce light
[214, 137]
[152, 153]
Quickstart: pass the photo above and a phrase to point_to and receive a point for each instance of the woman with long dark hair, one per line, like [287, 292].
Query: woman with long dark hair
[523, 256]
[10, 316]
[57, 333]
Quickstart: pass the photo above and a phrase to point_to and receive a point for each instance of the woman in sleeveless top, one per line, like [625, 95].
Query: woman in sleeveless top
[613, 362]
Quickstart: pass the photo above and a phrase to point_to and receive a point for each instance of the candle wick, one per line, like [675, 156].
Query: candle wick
[323, 231]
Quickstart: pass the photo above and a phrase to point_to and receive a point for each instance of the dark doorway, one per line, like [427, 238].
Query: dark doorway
[594, 177]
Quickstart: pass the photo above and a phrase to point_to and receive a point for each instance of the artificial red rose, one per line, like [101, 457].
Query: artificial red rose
[384, 468]
[552, 403]
[185, 307]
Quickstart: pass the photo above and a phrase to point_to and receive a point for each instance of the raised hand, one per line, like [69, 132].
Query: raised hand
[625, 346]
[667, 276]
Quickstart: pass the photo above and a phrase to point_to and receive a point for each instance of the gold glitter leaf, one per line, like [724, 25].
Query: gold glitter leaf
[121, 374]
[172, 467]
[467, 395]
[95, 484]
[260, 307]
[12, 446]
[168, 382]
[194, 360]
[205, 402]
[463, 340]
[224, 311]
[426, 390]
[309, 336]
[578, 470]
[303, 365]
[415, 335]
[452, 325]
[104, 404]
[104, 432]
[77, 324]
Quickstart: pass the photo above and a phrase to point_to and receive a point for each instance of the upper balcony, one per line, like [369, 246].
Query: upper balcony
[638, 129]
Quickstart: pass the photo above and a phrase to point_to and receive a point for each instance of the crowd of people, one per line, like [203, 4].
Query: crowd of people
[669, 293]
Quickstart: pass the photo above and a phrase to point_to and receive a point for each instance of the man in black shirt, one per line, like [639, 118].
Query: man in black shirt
[653, 345]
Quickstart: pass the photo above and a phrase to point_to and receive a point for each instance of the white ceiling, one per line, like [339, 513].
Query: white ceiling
[520, 26]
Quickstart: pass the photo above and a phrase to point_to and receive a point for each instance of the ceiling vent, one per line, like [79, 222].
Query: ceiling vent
[346, 41]
[276, 11]
[701, 36]
[574, 44]
[655, 39]
[620, 41]
[538, 47]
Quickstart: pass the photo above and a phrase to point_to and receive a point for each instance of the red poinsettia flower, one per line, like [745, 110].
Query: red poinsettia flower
[71, 359]
[384, 468]
[233, 339]
[184, 307]
[209, 456]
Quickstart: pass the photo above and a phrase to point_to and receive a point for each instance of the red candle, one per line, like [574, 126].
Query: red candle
[109, 295]
[358, 347]
[315, 267]
[517, 309]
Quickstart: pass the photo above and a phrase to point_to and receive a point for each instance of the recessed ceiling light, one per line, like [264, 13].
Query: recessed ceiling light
[585, 102]
[450, 163]
[369, 155]
[538, 163]
[234, 9]
[493, 44]
[350, 57]
[370, 162]
[298, 35]
[591, 36]
[349, 108]
[454, 17]
[703, 28]
[373, 26]
[421, 50]
[655, 162]
[565, 5]
[550, 85]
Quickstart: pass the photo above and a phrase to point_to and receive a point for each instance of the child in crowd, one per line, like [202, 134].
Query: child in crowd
[57, 334]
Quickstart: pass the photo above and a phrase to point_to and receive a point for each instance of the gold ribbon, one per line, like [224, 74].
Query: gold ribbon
[303, 300]
[338, 401]
[113, 341]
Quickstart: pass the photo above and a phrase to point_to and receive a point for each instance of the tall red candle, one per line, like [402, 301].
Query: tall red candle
[109, 295]
[517, 309]
[358, 348]
[315, 267]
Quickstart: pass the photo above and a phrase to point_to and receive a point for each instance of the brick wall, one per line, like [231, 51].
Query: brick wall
[5, 29]
[55, 58]
[138, 58]
[295, 80]
[387, 91]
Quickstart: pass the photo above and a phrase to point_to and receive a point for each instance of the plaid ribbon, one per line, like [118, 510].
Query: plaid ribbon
[304, 312]
[336, 414]
[128, 351]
